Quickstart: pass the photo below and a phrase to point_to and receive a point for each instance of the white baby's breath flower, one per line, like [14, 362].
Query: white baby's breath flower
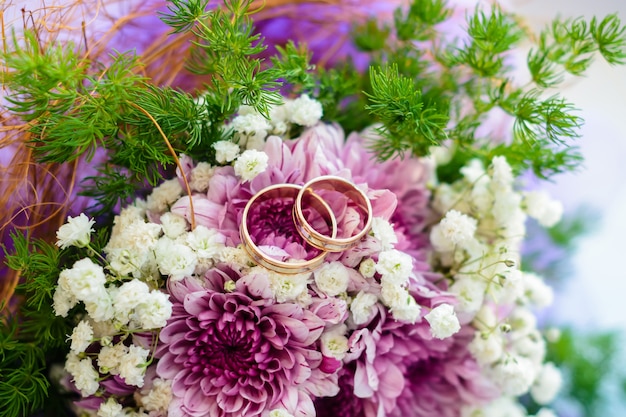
[536, 291]
[443, 321]
[367, 267]
[513, 374]
[85, 376]
[545, 412]
[402, 305]
[250, 164]
[225, 151]
[63, 301]
[454, 229]
[100, 309]
[547, 385]
[486, 347]
[158, 398]
[395, 266]
[85, 280]
[250, 123]
[201, 175]
[335, 343]
[236, 257]
[383, 231]
[81, 338]
[473, 171]
[128, 296]
[133, 365]
[110, 357]
[470, 292]
[175, 259]
[332, 278]
[287, 287]
[362, 307]
[502, 174]
[208, 243]
[539, 205]
[110, 408]
[306, 111]
[173, 225]
[164, 196]
[154, 311]
[76, 232]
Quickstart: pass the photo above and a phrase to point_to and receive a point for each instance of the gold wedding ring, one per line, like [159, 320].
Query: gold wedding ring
[348, 189]
[285, 191]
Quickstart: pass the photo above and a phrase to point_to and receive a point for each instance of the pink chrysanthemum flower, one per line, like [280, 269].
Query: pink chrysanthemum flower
[439, 385]
[376, 372]
[320, 150]
[240, 353]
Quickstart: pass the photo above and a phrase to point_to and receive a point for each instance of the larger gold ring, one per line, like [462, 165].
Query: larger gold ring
[262, 258]
[348, 189]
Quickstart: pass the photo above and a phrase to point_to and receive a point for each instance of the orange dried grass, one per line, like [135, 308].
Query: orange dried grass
[30, 201]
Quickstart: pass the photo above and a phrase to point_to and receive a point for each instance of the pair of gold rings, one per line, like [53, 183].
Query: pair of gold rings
[315, 194]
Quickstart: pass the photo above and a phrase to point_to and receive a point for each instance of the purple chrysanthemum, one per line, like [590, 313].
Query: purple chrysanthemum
[240, 353]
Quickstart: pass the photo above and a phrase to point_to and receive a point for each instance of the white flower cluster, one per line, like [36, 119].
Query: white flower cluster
[123, 297]
[478, 241]
[251, 128]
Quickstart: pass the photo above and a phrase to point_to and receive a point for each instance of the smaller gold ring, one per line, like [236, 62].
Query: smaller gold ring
[314, 237]
[261, 258]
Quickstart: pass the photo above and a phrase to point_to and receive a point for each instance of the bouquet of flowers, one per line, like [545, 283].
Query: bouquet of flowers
[272, 238]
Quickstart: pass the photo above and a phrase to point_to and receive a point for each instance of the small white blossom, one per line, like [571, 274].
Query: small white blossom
[159, 397]
[154, 311]
[250, 164]
[85, 280]
[100, 309]
[236, 257]
[383, 231]
[362, 307]
[201, 176]
[132, 365]
[335, 343]
[164, 196]
[110, 357]
[547, 385]
[76, 232]
[473, 171]
[208, 243]
[486, 347]
[536, 291]
[454, 229]
[443, 321]
[513, 374]
[63, 301]
[225, 151]
[306, 111]
[173, 225]
[522, 321]
[110, 408]
[402, 305]
[470, 293]
[545, 412]
[540, 206]
[85, 376]
[332, 278]
[502, 174]
[128, 296]
[175, 259]
[287, 287]
[395, 266]
[250, 123]
[367, 267]
[81, 338]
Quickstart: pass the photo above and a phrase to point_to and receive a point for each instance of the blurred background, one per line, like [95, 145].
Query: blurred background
[590, 298]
